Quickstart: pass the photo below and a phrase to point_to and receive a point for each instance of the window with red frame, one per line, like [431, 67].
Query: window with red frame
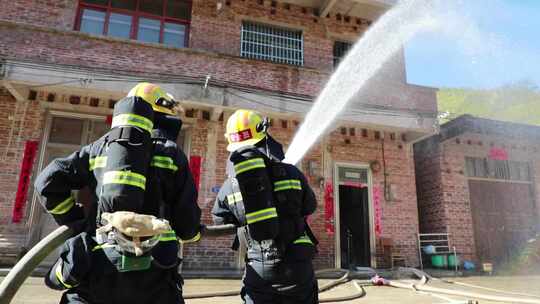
[156, 21]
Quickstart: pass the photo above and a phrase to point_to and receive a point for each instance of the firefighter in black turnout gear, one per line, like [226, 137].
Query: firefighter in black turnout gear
[269, 201]
[135, 167]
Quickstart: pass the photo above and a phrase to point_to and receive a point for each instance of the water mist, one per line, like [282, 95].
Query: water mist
[384, 38]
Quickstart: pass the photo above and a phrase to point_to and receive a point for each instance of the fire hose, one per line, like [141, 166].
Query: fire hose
[22, 270]
[360, 292]
[18, 274]
[418, 272]
[421, 286]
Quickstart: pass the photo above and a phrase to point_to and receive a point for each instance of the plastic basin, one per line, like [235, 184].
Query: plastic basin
[453, 261]
[439, 261]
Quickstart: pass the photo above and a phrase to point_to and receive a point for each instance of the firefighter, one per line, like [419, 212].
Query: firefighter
[135, 167]
[269, 201]
[170, 191]
[116, 265]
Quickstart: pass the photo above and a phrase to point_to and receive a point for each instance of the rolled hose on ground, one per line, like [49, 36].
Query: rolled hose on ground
[491, 289]
[343, 279]
[22, 270]
[419, 273]
[360, 292]
[421, 285]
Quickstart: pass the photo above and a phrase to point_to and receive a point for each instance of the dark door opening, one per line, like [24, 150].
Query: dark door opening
[354, 226]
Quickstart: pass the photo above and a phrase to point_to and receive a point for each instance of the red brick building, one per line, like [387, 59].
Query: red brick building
[63, 63]
[477, 180]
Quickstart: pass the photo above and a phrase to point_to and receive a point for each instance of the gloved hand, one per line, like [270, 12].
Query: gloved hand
[75, 214]
[165, 254]
[202, 229]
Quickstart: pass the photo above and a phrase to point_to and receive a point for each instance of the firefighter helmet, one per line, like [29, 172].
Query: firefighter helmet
[245, 128]
[153, 94]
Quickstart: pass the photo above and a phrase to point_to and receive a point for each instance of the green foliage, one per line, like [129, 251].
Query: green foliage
[516, 103]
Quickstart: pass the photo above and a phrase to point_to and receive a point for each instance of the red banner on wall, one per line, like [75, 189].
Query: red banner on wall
[378, 210]
[30, 150]
[498, 154]
[195, 167]
[329, 208]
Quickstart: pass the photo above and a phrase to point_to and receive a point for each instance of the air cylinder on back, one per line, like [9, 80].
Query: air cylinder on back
[128, 153]
[256, 192]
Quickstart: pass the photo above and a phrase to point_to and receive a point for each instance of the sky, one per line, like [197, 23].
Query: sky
[486, 44]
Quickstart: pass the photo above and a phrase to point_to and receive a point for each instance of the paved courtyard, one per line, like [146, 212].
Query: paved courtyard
[33, 290]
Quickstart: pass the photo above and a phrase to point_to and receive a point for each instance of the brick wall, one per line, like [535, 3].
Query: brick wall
[429, 188]
[443, 190]
[19, 122]
[41, 31]
[536, 168]
[455, 197]
[399, 217]
[58, 14]
[217, 32]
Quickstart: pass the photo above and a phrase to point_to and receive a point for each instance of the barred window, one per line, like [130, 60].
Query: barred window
[340, 50]
[497, 169]
[264, 42]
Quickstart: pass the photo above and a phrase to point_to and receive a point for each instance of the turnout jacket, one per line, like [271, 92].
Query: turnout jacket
[295, 185]
[92, 273]
[170, 191]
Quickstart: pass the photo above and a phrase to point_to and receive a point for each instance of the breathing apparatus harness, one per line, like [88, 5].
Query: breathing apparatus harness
[128, 149]
[268, 203]
[128, 154]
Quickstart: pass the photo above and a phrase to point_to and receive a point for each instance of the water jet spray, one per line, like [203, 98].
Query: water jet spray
[384, 39]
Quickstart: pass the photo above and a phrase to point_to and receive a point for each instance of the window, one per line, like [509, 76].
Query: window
[340, 50]
[270, 43]
[92, 22]
[155, 21]
[149, 30]
[119, 25]
[497, 169]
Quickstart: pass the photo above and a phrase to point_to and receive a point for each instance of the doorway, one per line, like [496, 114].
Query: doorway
[64, 134]
[354, 235]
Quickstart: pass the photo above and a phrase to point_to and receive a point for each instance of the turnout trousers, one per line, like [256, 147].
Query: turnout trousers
[285, 283]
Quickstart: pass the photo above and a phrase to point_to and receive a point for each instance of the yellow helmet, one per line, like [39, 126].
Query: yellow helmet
[245, 128]
[153, 94]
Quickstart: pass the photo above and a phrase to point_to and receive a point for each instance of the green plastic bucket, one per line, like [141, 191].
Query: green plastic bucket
[439, 261]
[453, 261]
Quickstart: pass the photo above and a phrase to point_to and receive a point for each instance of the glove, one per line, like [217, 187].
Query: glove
[76, 213]
[165, 254]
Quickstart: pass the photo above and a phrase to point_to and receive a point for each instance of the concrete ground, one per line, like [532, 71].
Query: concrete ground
[33, 290]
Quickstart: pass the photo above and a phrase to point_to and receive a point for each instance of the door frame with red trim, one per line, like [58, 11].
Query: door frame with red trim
[337, 234]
